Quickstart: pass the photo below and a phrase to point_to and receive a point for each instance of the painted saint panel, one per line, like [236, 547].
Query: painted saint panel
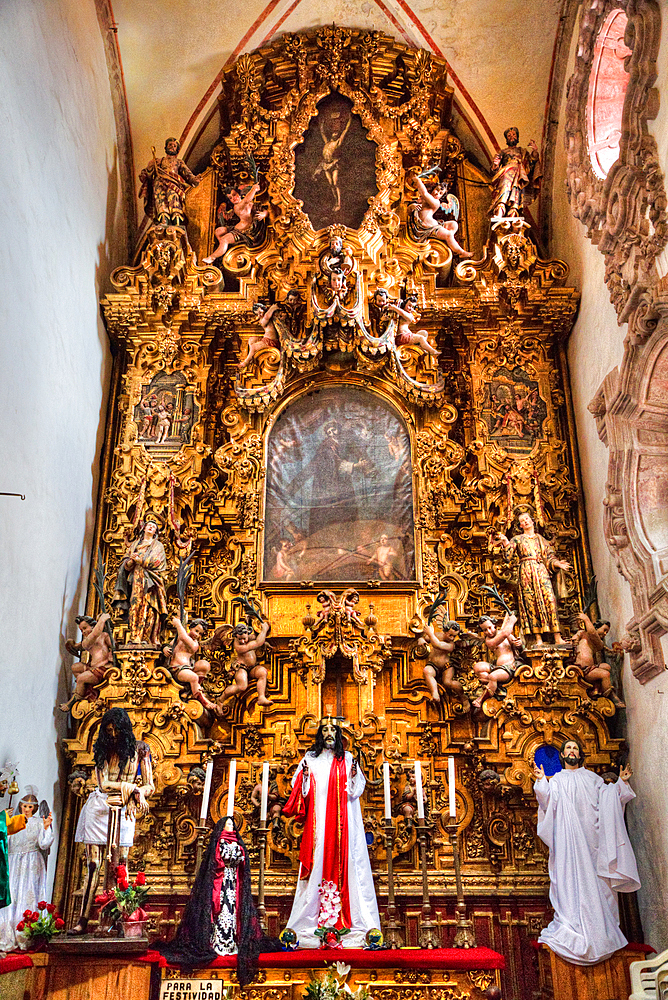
[166, 413]
[339, 502]
[514, 410]
[335, 166]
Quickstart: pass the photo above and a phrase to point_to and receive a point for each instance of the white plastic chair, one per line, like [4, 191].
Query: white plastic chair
[649, 978]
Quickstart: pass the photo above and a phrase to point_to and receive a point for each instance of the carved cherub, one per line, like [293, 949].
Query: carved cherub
[504, 646]
[406, 310]
[263, 313]
[421, 222]
[589, 642]
[95, 641]
[239, 221]
[438, 667]
[180, 657]
[275, 801]
[245, 665]
[408, 802]
[326, 599]
[349, 601]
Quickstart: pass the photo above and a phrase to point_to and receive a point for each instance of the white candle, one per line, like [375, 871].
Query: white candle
[386, 789]
[206, 793]
[418, 790]
[451, 787]
[265, 792]
[230, 791]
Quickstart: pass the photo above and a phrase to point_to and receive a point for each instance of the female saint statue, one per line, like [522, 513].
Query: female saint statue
[140, 591]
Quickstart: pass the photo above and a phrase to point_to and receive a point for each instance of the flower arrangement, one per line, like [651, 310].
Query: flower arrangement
[126, 900]
[39, 928]
[330, 909]
[334, 986]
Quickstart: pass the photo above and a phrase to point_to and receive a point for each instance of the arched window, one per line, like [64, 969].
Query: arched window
[607, 89]
[339, 501]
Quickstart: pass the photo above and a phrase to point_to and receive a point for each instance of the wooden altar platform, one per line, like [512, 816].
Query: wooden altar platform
[387, 975]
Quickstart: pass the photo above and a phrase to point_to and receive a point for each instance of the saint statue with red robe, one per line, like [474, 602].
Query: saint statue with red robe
[326, 792]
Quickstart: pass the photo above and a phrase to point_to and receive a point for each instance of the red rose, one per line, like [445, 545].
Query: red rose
[50, 907]
[35, 915]
[59, 924]
[123, 884]
[140, 879]
[27, 914]
[41, 906]
[121, 872]
[20, 926]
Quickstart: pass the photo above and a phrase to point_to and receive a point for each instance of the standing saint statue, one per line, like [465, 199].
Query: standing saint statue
[108, 816]
[581, 819]
[140, 590]
[537, 559]
[164, 183]
[516, 176]
[326, 791]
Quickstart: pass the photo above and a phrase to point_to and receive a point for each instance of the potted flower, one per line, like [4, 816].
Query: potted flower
[125, 903]
[38, 928]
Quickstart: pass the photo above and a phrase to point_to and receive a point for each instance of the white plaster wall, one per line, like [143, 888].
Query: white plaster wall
[59, 203]
[596, 347]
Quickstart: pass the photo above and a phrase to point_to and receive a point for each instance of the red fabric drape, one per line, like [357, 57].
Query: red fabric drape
[335, 857]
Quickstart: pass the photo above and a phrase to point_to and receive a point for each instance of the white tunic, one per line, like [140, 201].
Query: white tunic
[94, 818]
[27, 877]
[363, 905]
[581, 819]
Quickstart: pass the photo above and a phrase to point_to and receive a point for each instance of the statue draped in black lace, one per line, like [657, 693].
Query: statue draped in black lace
[191, 945]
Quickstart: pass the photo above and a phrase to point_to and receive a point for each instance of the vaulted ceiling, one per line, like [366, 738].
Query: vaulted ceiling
[500, 55]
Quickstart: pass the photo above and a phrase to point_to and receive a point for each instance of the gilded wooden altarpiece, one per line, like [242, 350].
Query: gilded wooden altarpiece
[483, 432]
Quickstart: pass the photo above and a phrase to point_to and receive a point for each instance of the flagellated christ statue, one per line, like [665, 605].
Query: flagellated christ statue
[326, 792]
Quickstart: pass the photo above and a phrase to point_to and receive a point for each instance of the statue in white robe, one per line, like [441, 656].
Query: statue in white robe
[326, 784]
[581, 819]
[27, 870]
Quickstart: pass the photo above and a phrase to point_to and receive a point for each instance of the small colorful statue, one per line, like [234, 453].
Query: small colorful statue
[28, 850]
[245, 665]
[181, 660]
[537, 560]
[164, 184]
[504, 647]
[439, 667]
[422, 225]
[95, 640]
[589, 643]
[406, 311]
[516, 176]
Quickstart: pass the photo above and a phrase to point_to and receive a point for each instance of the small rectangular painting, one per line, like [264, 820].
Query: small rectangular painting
[513, 410]
[339, 501]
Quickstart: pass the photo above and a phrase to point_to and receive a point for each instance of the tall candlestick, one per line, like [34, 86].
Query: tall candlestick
[265, 792]
[207, 791]
[386, 790]
[230, 791]
[419, 795]
[451, 787]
